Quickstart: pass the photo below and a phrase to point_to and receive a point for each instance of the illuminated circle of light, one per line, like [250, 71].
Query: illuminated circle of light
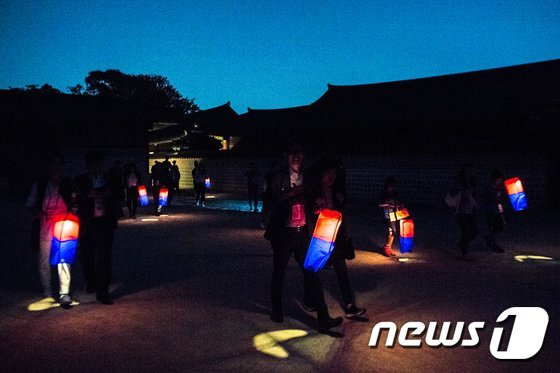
[45, 304]
[522, 258]
[268, 343]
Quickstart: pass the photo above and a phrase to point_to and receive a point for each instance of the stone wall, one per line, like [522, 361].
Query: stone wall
[422, 179]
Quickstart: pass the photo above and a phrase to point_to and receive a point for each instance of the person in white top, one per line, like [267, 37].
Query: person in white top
[50, 197]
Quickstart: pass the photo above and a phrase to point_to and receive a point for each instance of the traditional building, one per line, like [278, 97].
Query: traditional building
[204, 130]
[492, 110]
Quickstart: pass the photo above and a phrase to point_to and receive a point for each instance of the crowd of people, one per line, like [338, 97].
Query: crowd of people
[292, 201]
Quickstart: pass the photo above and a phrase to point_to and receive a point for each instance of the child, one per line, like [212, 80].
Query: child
[493, 206]
[389, 201]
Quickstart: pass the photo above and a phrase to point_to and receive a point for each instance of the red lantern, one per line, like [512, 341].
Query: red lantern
[407, 235]
[65, 238]
[143, 195]
[324, 237]
[513, 186]
[163, 193]
[516, 194]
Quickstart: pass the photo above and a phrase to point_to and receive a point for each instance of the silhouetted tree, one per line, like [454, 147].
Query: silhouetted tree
[154, 90]
[45, 88]
[78, 89]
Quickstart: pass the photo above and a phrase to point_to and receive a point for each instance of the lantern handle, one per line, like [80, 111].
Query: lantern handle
[62, 228]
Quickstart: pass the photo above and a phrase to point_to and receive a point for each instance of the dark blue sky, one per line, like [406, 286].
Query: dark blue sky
[269, 54]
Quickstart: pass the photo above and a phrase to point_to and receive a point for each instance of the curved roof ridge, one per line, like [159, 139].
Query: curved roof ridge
[458, 74]
[301, 107]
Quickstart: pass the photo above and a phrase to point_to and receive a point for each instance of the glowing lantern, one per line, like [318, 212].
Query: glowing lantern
[207, 183]
[322, 243]
[163, 193]
[143, 195]
[516, 194]
[407, 235]
[65, 239]
[399, 214]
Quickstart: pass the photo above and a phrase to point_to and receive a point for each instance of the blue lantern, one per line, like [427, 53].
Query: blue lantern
[324, 237]
[516, 194]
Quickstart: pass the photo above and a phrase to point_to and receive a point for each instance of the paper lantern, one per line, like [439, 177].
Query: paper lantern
[322, 242]
[207, 183]
[64, 239]
[163, 193]
[516, 194]
[398, 215]
[143, 195]
[407, 235]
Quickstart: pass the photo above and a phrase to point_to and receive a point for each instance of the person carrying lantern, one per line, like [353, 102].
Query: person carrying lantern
[50, 196]
[97, 199]
[327, 191]
[392, 206]
[287, 231]
[199, 180]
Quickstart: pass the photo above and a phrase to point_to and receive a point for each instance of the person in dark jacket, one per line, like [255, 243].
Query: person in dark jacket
[253, 178]
[327, 192]
[494, 210]
[51, 196]
[288, 233]
[175, 178]
[97, 199]
[466, 193]
[199, 179]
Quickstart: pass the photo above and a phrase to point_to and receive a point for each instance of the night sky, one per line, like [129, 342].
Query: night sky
[268, 54]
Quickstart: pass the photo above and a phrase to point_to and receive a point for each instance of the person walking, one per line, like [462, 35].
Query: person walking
[199, 180]
[175, 177]
[253, 177]
[157, 183]
[97, 200]
[390, 203]
[326, 192]
[288, 234]
[494, 210]
[132, 179]
[51, 196]
[463, 197]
